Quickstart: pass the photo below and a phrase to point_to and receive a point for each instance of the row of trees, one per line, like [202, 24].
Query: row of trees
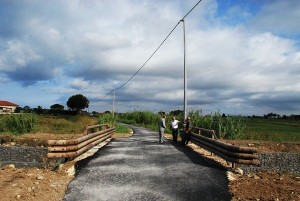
[276, 116]
[75, 103]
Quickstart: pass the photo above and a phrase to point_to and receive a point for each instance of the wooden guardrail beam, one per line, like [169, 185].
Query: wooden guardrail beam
[227, 146]
[75, 147]
[88, 128]
[254, 162]
[78, 152]
[78, 146]
[232, 153]
[78, 140]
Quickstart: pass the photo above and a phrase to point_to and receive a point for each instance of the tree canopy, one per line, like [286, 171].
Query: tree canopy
[57, 107]
[78, 102]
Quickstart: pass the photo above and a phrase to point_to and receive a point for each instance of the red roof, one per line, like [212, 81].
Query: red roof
[6, 103]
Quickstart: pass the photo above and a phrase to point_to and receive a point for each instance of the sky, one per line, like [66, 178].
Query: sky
[242, 56]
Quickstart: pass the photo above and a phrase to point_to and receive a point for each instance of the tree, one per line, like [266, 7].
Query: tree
[18, 109]
[26, 109]
[57, 107]
[38, 110]
[78, 102]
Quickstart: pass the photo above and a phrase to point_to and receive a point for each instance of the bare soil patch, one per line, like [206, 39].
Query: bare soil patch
[32, 184]
[265, 186]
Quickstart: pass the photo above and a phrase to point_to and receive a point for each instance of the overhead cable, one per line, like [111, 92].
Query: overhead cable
[154, 51]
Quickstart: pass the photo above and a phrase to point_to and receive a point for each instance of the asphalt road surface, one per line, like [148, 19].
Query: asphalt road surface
[139, 168]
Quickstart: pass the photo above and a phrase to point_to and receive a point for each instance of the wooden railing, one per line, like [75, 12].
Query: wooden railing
[231, 153]
[75, 147]
[205, 132]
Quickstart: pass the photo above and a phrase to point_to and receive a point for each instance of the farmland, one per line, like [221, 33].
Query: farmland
[272, 129]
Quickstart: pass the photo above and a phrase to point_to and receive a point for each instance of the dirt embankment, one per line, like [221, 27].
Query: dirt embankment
[264, 185]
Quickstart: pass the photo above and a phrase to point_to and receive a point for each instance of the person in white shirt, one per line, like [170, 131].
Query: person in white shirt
[174, 127]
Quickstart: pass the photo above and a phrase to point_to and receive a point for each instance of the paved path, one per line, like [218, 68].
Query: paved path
[139, 168]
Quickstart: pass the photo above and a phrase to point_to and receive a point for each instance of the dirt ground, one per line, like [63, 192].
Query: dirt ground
[50, 185]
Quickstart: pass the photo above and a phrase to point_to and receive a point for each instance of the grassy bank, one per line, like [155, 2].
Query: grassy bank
[32, 123]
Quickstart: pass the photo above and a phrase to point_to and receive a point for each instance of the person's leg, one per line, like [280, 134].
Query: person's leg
[175, 135]
[188, 137]
[162, 136]
[183, 139]
[159, 135]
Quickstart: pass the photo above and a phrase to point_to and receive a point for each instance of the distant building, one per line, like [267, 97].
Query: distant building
[7, 107]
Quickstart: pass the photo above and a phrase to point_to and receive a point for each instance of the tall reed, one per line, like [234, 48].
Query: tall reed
[18, 123]
[228, 127]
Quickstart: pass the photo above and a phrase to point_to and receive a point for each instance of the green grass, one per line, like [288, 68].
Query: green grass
[121, 129]
[272, 129]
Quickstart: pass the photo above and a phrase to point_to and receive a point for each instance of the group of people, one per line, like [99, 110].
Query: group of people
[186, 134]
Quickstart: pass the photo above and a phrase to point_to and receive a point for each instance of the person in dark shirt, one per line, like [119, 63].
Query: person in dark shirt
[187, 131]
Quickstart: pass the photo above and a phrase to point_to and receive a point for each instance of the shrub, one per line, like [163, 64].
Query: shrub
[107, 119]
[143, 118]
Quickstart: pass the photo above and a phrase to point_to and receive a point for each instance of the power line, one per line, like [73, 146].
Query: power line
[191, 10]
[154, 51]
[149, 57]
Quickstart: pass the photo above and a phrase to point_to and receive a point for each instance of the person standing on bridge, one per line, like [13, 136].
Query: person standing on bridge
[174, 128]
[161, 128]
[186, 132]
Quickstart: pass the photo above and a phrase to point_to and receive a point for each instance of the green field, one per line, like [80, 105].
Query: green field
[272, 129]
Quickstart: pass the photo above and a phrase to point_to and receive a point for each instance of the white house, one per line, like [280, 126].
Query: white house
[7, 107]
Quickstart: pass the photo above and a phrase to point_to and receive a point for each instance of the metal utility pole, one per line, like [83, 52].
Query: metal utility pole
[113, 108]
[184, 67]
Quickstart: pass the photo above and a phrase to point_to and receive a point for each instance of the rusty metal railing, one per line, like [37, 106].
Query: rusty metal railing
[75, 147]
[231, 153]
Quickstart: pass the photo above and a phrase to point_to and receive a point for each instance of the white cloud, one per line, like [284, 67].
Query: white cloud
[17, 54]
[279, 16]
[92, 47]
[79, 84]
